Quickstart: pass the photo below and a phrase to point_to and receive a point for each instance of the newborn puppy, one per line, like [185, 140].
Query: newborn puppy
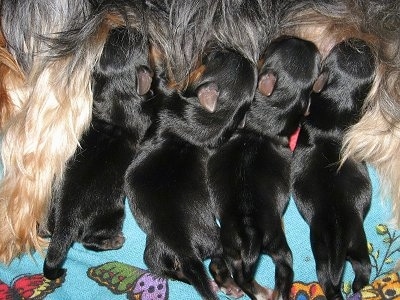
[249, 176]
[334, 200]
[88, 205]
[166, 182]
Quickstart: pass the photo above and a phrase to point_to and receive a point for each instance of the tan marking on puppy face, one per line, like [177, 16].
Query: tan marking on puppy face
[114, 20]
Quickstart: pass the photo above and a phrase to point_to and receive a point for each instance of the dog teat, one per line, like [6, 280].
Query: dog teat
[208, 96]
[320, 82]
[307, 112]
[144, 79]
[243, 122]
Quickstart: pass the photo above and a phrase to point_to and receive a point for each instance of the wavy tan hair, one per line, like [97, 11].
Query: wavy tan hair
[12, 85]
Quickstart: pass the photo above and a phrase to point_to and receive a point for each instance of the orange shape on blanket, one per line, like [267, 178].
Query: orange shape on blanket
[309, 291]
[387, 287]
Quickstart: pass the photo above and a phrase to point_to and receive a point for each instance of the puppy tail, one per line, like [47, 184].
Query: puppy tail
[330, 255]
[193, 270]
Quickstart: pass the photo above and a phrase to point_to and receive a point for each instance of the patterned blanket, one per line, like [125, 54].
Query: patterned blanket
[122, 274]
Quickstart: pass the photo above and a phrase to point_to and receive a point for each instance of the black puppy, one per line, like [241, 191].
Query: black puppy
[333, 200]
[88, 205]
[166, 183]
[249, 176]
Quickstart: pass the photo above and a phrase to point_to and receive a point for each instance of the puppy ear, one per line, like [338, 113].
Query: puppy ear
[144, 79]
[266, 84]
[320, 83]
[208, 96]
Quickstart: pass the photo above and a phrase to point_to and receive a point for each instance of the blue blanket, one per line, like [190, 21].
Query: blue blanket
[122, 274]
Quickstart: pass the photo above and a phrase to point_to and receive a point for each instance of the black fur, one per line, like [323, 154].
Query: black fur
[334, 201]
[249, 176]
[88, 205]
[166, 183]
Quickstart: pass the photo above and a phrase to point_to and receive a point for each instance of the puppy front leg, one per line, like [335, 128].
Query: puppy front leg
[60, 243]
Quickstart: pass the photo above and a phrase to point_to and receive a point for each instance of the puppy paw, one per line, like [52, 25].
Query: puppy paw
[53, 273]
[229, 288]
[112, 243]
[103, 244]
[263, 293]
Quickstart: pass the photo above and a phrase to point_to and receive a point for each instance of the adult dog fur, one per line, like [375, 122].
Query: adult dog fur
[88, 204]
[333, 200]
[249, 176]
[11, 84]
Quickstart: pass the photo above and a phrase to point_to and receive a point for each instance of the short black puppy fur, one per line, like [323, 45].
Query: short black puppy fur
[88, 205]
[249, 176]
[166, 183]
[333, 200]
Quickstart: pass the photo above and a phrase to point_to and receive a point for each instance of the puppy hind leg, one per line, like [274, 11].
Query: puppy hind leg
[360, 261]
[243, 273]
[162, 260]
[105, 232]
[223, 278]
[193, 269]
[362, 270]
[107, 240]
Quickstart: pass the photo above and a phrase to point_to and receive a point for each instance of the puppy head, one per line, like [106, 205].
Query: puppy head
[289, 68]
[346, 77]
[209, 108]
[121, 77]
